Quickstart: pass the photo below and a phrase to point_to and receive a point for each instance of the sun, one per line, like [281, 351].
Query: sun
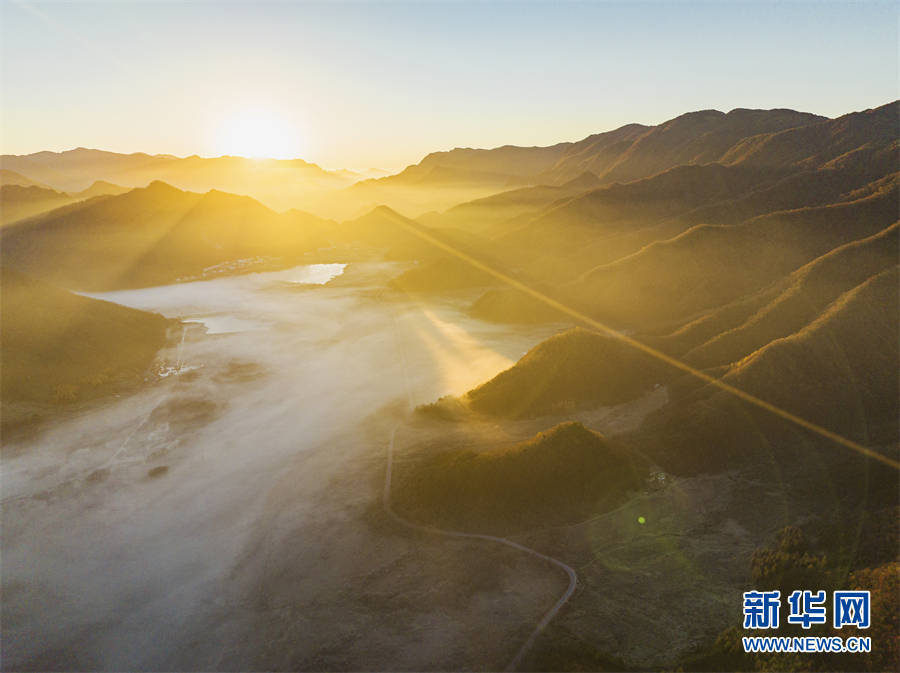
[258, 134]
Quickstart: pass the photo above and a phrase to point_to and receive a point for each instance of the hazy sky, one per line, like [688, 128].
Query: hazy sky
[360, 84]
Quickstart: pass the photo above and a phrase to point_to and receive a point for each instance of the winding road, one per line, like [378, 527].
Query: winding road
[570, 572]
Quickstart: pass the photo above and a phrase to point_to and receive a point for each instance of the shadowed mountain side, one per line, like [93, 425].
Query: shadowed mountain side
[616, 213]
[599, 226]
[445, 274]
[628, 153]
[8, 177]
[847, 356]
[806, 293]
[602, 225]
[511, 306]
[500, 165]
[154, 235]
[100, 188]
[562, 475]
[386, 230]
[60, 348]
[856, 157]
[625, 154]
[382, 228]
[594, 154]
[416, 199]
[841, 371]
[708, 266]
[816, 145]
[663, 275]
[444, 179]
[497, 214]
[566, 371]
[817, 187]
[852, 263]
[18, 202]
[693, 138]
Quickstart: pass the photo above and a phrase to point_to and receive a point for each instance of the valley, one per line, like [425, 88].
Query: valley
[480, 413]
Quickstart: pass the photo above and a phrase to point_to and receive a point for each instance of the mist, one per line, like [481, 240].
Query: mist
[169, 529]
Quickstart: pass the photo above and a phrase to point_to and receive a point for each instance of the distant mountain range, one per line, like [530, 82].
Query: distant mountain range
[282, 184]
[732, 241]
[20, 197]
[596, 242]
[78, 168]
[444, 179]
[155, 235]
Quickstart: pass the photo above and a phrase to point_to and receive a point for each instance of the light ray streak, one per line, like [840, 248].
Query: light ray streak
[649, 350]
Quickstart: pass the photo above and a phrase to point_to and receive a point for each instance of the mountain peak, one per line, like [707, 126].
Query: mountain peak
[161, 188]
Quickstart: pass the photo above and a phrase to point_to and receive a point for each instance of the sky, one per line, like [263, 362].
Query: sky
[381, 84]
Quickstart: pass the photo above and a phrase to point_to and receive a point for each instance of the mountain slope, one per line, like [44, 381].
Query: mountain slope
[562, 475]
[8, 177]
[612, 221]
[848, 356]
[154, 235]
[280, 184]
[806, 293]
[708, 265]
[628, 153]
[567, 371]
[622, 155]
[816, 145]
[18, 202]
[693, 138]
[579, 231]
[60, 347]
[445, 274]
[501, 165]
[100, 188]
[851, 152]
[842, 371]
[626, 259]
[497, 213]
[828, 184]
[77, 169]
[593, 154]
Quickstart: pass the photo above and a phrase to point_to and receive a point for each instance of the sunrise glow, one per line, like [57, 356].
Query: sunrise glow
[258, 133]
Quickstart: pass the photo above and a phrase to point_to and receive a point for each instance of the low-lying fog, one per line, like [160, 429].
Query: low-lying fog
[227, 515]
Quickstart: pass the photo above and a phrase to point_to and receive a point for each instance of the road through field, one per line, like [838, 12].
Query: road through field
[570, 572]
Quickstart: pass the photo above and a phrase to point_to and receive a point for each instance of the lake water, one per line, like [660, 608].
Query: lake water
[222, 304]
[222, 517]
